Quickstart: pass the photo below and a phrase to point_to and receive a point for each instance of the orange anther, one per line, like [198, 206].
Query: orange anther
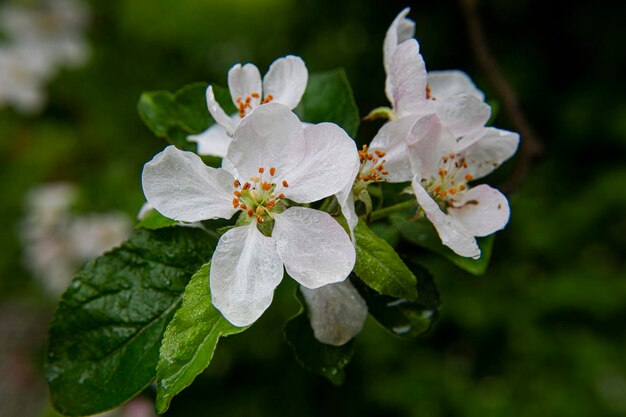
[248, 99]
[452, 191]
[255, 95]
[379, 153]
[370, 156]
[243, 206]
[270, 204]
[259, 219]
[384, 172]
[462, 188]
[266, 186]
[445, 159]
[428, 92]
[268, 98]
[272, 171]
[285, 184]
[451, 155]
[468, 177]
[237, 193]
[261, 170]
[464, 164]
[235, 202]
[443, 193]
[246, 186]
[236, 184]
[281, 196]
[437, 189]
[250, 213]
[238, 101]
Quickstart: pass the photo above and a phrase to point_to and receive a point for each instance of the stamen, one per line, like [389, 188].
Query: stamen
[281, 196]
[259, 219]
[379, 153]
[271, 204]
[236, 183]
[250, 213]
[243, 206]
[259, 210]
[235, 202]
[261, 170]
[462, 187]
[255, 179]
[237, 193]
[272, 171]
[255, 95]
[246, 186]
[285, 184]
[268, 98]
[266, 186]
[468, 177]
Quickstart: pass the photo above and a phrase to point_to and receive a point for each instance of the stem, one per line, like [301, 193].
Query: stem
[385, 212]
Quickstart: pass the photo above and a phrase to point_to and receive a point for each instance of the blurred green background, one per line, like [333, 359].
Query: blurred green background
[541, 334]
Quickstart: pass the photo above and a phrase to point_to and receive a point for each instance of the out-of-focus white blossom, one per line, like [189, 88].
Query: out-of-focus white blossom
[40, 40]
[58, 242]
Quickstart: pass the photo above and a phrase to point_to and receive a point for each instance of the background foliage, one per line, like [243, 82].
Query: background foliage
[541, 333]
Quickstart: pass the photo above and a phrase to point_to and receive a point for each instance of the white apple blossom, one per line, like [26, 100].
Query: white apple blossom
[336, 312]
[284, 83]
[411, 90]
[273, 159]
[443, 167]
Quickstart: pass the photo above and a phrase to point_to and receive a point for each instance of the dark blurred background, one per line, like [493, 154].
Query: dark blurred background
[542, 333]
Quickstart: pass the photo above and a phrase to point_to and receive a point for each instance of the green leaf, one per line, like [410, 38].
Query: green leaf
[154, 220]
[314, 356]
[402, 317]
[183, 113]
[328, 98]
[379, 266]
[422, 233]
[105, 336]
[190, 340]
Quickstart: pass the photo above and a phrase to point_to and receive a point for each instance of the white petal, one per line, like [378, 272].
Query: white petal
[218, 114]
[462, 113]
[245, 270]
[407, 79]
[452, 234]
[243, 81]
[327, 166]
[286, 81]
[270, 136]
[346, 203]
[444, 84]
[486, 149]
[337, 312]
[213, 141]
[392, 138]
[180, 186]
[315, 249]
[482, 210]
[400, 30]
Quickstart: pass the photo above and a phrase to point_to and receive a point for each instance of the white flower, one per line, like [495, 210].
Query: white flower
[443, 167]
[272, 159]
[412, 91]
[284, 83]
[336, 312]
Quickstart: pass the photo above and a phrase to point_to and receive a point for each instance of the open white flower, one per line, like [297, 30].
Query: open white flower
[284, 83]
[412, 91]
[273, 159]
[444, 166]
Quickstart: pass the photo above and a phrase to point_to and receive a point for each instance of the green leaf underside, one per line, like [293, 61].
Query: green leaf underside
[314, 356]
[154, 220]
[174, 116]
[402, 317]
[379, 266]
[422, 233]
[329, 98]
[190, 340]
[105, 336]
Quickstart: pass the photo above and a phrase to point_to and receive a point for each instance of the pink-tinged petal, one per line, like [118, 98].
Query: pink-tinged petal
[444, 84]
[337, 312]
[213, 141]
[486, 149]
[482, 210]
[180, 186]
[393, 139]
[461, 241]
[407, 79]
[462, 114]
[218, 114]
[327, 167]
[315, 249]
[400, 30]
[243, 82]
[245, 270]
[286, 81]
[270, 136]
[425, 143]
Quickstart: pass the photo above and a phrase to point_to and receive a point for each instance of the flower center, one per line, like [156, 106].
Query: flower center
[372, 165]
[245, 105]
[257, 197]
[452, 177]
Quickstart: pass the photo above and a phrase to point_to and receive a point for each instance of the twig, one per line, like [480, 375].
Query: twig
[530, 146]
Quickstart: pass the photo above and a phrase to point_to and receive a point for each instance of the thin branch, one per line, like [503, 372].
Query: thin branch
[530, 146]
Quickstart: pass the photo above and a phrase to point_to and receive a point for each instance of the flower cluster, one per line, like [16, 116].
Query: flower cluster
[276, 167]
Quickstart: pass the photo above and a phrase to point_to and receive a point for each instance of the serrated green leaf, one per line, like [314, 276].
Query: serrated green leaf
[174, 116]
[402, 317]
[422, 233]
[154, 220]
[329, 98]
[190, 340]
[105, 336]
[379, 266]
[314, 356]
